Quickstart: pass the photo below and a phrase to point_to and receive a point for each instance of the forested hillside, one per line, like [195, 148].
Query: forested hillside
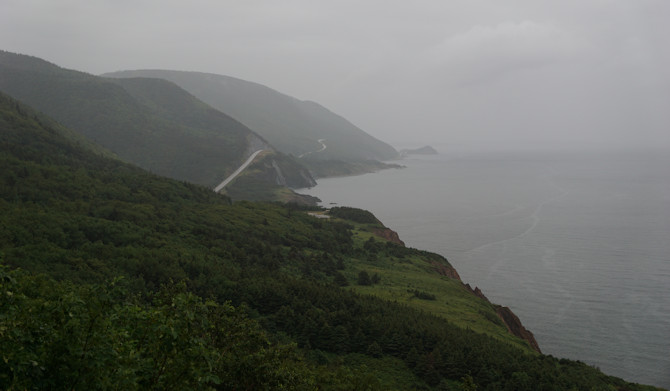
[115, 278]
[296, 127]
[149, 122]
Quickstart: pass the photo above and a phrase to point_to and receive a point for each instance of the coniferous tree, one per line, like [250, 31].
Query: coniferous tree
[364, 278]
[340, 280]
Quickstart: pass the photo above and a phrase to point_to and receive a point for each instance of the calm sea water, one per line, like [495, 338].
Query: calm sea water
[578, 245]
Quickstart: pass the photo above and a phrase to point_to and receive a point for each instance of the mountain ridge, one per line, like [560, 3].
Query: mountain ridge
[294, 126]
[149, 122]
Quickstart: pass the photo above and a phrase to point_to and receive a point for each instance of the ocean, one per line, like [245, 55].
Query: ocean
[576, 244]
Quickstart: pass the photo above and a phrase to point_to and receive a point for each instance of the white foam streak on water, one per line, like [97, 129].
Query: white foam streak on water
[578, 247]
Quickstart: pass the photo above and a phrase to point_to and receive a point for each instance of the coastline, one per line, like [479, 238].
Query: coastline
[480, 210]
[326, 169]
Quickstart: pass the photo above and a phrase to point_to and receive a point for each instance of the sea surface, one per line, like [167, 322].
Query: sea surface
[576, 244]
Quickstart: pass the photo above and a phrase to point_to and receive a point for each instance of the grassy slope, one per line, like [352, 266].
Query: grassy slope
[75, 215]
[411, 270]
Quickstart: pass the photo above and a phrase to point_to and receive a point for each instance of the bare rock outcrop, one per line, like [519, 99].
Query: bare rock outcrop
[446, 270]
[477, 292]
[388, 234]
[515, 327]
[511, 321]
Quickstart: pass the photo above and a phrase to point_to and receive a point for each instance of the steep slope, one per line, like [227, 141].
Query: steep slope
[293, 126]
[82, 218]
[149, 122]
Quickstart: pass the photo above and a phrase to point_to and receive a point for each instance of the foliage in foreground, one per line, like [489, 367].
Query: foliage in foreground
[83, 337]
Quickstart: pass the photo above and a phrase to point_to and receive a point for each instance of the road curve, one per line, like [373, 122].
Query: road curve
[238, 171]
[323, 148]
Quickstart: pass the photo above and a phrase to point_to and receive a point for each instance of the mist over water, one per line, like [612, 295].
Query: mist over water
[575, 243]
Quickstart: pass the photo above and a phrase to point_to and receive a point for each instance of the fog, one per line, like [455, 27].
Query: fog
[465, 74]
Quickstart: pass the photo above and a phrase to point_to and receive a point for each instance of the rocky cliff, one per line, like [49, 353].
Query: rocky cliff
[511, 321]
[446, 270]
[515, 327]
[388, 234]
[442, 266]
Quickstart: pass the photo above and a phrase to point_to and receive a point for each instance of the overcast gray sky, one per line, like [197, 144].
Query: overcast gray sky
[522, 73]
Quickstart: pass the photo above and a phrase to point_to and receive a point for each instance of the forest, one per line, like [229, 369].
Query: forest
[115, 278]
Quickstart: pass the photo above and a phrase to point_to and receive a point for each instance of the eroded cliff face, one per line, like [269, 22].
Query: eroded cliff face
[446, 270]
[511, 321]
[477, 292]
[515, 327]
[388, 234]
[280, 170]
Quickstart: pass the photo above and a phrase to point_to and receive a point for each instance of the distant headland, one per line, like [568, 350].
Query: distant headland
[427, 150]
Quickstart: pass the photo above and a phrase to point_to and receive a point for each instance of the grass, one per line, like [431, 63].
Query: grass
[402, 277]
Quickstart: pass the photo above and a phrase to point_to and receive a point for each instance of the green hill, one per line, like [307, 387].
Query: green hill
[149, 122]
[293, 126]
[134, 281]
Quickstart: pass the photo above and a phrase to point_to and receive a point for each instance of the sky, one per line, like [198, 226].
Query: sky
[510, 74]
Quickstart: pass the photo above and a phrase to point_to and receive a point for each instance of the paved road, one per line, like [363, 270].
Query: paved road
[238, 171]
[323, 148]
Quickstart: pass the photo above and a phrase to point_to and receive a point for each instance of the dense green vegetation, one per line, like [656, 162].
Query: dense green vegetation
[291, 125]
[85, 337]
[215, 294]
[149, 122]
[353, 214]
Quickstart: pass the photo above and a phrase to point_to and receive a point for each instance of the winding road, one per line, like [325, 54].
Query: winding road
[323, 148]
[238, 171]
